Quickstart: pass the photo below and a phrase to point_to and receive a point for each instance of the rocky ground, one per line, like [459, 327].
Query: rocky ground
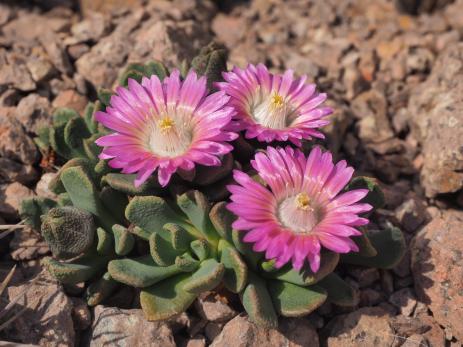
[396, 83]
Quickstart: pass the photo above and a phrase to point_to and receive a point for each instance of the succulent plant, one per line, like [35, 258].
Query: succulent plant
[177, 242]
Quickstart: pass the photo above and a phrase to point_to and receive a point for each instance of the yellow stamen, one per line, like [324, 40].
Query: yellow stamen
[303, 201]
[166, 124]
[277, 100]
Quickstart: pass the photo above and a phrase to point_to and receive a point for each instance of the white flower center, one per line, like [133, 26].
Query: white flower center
[299, 213]
[169, 137]
[272, 110]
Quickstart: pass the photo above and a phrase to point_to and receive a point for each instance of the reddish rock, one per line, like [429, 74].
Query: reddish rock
[15, 144]
[240, 332]
[366, 327]
[436, 111]
[71, 99]
[34, 112]
[214, 309]
[48, 320]
[11, 197]
[436, 265]
[128, 328]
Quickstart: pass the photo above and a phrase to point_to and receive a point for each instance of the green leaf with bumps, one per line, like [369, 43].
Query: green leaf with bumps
[366, 249]
[389, 243]
[69, 231]
[57, 142]
[291, 300]
[180, 238]
[88, 117]
[156, 68]
[31, 210]
[339, 291]
[123, 240]
[161, 250]
[207, 277]
[375, 195]
[140, 272]
[100, 290]
[201, 249]
[222, 220]
[104, 95]
[167, 298]
[56, 186]
[75, 132]
[80, 270]
[306, 277]
[258, 303]
[195, 205]
[43, 138]
[125, 184]
[151, 213]
[211, 62]
[186, 262]
[114, 202]
[63, 115]
[90, 149]
[236, 270]
[105, 244]
[84, 195]
[252, 258]
[64, 200]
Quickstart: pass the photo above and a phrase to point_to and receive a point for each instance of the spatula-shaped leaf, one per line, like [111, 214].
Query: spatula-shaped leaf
[100, 289]
[236, 270]
[339, 291]
[258, 303]
[167, 298]
[207, 277]
[140, 272]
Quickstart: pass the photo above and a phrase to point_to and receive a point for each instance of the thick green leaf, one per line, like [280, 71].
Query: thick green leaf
[375, 195]
[339, 291]
[222, 220]
[201, 249]
[306, 277]
[31, 210]
[140, 272]
[84, 195]
[125, 184]
[100, 290]
[161, 250]
[291, 300]
[236, 270]
[167, 298]
[105, 245]
[207, 277]
[151, 213]
[390, 245]
[195, 205]
[114, 202]
[258, 303]
[123, 240]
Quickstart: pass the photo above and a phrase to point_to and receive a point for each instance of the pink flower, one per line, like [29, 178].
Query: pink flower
[303, 209]
[167, 126]
[274, 107]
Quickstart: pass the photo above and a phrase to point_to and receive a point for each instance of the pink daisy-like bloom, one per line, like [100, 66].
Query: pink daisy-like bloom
[167, 126]
[273, 107]
[303, 209]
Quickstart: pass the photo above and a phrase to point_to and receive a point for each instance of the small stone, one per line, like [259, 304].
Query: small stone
[95, 26]
[240, 332]
[365, 276]
[81, 315]
[34, 112]
[5, 13]
[214, 309]
[88, 7]
[70, 99]
[77, 50]
[411, 214]
[16, 75]
[229, 30]
[11, 196]
[368, 326]
[40, 69]
[15, 144]
[56, 52]
[47, 321]
[387, 281]
[404, 300]
[446, 39]
[128, 328]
